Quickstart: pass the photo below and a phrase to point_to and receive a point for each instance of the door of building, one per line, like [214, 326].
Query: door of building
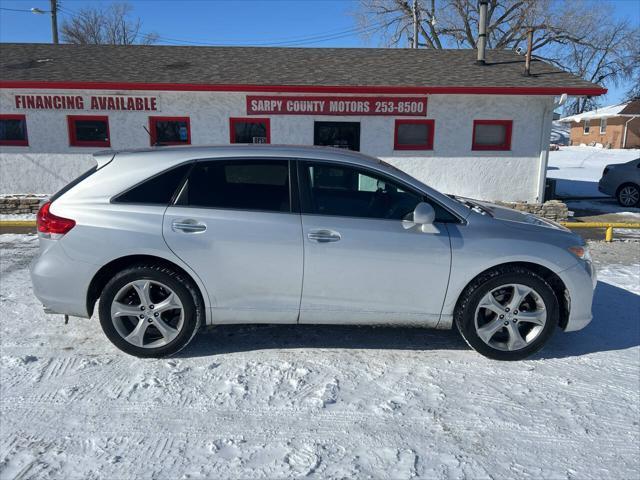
[337, 134]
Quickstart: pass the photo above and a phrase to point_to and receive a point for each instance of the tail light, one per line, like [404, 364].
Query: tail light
[52, 225]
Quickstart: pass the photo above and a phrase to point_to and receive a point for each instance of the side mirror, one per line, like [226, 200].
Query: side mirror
[424, 215]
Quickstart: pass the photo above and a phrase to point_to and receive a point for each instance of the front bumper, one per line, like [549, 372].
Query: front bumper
[580, 280]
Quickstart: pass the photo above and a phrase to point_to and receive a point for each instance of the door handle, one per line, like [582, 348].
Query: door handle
[323, 236]
[188, 226]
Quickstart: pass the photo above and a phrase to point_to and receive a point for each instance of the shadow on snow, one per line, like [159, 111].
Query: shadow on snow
[616, 326]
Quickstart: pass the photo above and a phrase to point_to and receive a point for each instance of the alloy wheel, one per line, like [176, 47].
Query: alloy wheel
[147, 313]
[629, 195]
[510, 317]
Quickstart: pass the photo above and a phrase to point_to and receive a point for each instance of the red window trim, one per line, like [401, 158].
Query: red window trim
[74, 142]
[428, 145]
[16, 143]
[234, 120]
[508, 124]
[154, 133]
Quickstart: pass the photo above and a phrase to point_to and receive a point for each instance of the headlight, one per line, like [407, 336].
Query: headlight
[582, 252]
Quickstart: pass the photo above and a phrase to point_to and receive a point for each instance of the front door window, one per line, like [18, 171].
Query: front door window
[345, 191]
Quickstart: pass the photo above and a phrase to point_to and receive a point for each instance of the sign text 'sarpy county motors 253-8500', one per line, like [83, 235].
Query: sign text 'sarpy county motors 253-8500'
[336, 105]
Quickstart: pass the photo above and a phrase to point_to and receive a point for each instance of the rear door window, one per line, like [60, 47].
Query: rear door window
[261, 185]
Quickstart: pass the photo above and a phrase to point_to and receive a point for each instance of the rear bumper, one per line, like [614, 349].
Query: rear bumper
[59, 282]
[580, 281]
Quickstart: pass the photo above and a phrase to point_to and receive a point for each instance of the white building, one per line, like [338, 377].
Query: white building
[477, 130]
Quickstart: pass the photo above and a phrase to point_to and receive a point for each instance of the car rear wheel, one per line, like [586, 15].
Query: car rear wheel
[150, 311]
[508, 313]
[628, 195]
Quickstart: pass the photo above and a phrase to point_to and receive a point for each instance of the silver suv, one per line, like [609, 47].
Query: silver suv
[171, 239]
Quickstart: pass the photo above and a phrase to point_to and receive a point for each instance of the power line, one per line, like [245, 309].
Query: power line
[292, 41]
[302, 41]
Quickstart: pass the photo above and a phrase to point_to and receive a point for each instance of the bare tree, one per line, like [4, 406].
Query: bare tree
[110, 25]
[633, 93]
[610, 58]
[570, 34]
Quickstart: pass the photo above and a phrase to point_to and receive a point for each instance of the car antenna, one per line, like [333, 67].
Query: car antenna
[156, 143]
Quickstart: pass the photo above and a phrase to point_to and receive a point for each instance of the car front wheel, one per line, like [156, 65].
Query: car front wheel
[508, 313]
[628, 195]
[150, 311]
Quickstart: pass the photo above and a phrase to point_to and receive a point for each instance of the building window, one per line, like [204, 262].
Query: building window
[603, 126]
[492, 135]
[337, 134]
[170, 130]
[250, 130]
[13, 131]
[586, 127]
[88, 131]
[413, 135]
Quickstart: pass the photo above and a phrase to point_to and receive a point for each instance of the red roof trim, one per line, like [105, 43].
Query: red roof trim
[190, 87]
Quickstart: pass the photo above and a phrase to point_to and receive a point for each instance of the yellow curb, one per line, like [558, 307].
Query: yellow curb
[17, 223]
[609, 226]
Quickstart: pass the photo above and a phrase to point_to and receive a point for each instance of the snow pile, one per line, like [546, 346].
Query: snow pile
[604, 112]
[319, 401]
[578, 169]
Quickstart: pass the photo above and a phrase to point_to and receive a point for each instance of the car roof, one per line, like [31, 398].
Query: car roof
[176, 154]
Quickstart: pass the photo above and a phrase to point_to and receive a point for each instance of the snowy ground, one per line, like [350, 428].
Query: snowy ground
[17, 216]
[578, 169]
[323, 402]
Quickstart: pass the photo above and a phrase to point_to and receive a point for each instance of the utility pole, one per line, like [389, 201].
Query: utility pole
[527, 59]
[414, 11]
[54, 21]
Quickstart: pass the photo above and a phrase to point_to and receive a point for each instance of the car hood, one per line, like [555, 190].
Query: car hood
[500, 212]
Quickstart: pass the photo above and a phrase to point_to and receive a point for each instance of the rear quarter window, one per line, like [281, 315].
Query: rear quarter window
[75, 182]
[157, 190]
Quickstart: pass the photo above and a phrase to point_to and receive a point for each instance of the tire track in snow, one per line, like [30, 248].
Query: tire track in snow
[434, 412]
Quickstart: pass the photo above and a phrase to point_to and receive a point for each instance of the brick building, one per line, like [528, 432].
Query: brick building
[617, 126]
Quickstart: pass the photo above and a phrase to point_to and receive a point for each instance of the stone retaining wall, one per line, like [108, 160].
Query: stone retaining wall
[20, 204]
[553, 209]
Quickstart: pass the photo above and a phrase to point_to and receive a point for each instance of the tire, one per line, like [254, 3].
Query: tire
[628, 195]
[144, 330]
[505, 285]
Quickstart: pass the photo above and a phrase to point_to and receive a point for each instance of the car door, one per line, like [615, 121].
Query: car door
[363, 263]
[234, 223]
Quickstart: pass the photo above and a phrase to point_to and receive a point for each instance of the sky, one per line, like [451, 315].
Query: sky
[305, 23]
